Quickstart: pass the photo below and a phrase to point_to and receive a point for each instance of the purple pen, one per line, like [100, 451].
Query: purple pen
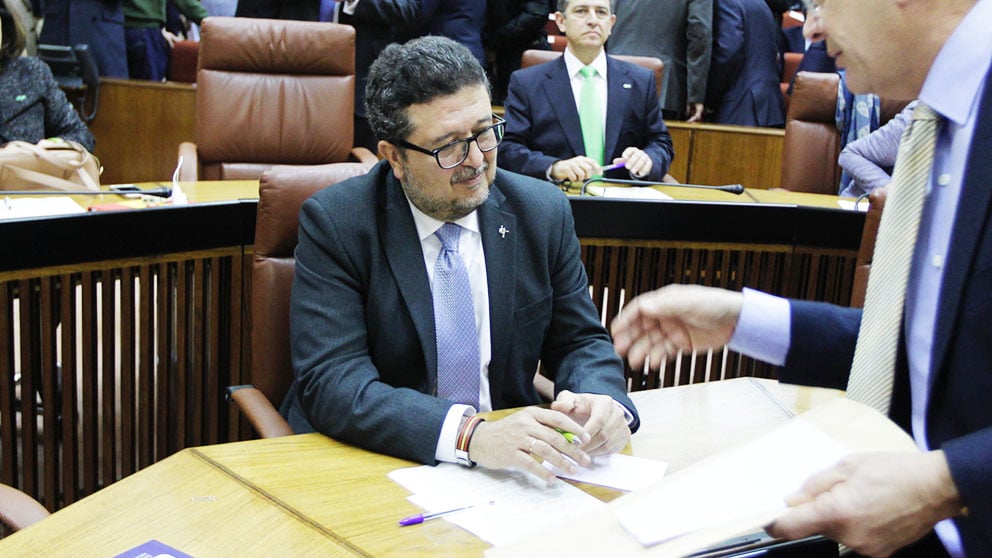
[614, 166]
[422, 517]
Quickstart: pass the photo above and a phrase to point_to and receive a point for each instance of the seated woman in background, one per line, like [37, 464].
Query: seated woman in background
[32, 107]
[869, 160]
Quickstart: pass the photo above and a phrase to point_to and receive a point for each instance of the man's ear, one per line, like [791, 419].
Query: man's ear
[560, 20]
[391, 153]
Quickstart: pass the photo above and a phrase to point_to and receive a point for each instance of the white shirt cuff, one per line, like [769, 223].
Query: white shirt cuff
[445, 450]
[764, 328]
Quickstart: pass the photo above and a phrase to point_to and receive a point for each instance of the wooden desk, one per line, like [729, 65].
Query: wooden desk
[305, 494]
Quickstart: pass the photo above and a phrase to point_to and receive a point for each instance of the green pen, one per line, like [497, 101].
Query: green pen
[572, 438]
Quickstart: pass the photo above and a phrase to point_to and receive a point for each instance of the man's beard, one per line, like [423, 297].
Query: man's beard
[444, 209]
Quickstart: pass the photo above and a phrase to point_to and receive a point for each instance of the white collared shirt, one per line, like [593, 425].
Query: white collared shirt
[471, 251]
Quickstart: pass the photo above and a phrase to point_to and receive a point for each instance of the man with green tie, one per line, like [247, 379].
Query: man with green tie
[568, 118]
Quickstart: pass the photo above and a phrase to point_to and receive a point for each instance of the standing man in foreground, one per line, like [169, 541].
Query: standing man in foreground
[567, 118]
[936, 348]
[431, 287]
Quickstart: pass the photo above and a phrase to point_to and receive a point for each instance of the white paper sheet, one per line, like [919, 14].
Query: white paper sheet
[632, 193]
[623, 472]
[522, 503]
[753, 479]
[18, 208]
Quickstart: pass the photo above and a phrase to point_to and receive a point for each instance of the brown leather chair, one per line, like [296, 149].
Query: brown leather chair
[534, 56]
[183, 61]
[812, 142]
[282, 191]
[790, 65]
[866, 252]
[18, 510]
[271, 92]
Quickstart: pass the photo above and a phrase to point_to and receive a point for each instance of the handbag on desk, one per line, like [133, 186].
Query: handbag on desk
[52, 164]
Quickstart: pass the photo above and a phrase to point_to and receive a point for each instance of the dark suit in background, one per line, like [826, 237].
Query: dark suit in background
[959, 416]
[97, 23]
[542, 121]
[512, 26]
[363, 325]
[677, 32]
[304, 10]
[743, 86]
[377, 23]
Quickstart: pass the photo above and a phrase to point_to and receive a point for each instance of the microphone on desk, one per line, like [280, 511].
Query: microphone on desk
[160, 192]
[730, 188]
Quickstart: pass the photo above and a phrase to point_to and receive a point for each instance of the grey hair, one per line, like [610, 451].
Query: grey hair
[413, 73]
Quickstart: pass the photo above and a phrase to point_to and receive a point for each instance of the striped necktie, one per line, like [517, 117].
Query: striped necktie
[591, 115]
[873, 370]
[454, 323]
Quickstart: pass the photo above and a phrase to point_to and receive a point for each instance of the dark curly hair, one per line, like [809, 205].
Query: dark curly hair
[414, 73]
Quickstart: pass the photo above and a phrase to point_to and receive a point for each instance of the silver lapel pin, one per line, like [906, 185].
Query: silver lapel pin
[502, 231]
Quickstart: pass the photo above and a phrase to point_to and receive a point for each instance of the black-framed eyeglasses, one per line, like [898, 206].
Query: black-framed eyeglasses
[452, 154]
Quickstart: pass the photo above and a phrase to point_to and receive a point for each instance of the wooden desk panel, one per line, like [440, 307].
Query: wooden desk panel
[734, 155]
[139, 126]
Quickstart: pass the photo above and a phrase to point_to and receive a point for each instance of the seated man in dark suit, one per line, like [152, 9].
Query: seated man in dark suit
[556, 127]
[431, 287]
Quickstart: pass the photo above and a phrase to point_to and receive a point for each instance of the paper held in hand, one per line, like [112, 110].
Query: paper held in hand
[735, 492]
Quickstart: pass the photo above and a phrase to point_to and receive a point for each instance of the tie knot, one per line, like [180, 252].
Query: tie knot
[923, 112]
[587, 71]
[448, 234]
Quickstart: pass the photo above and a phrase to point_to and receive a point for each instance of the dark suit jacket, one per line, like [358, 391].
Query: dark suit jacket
[959, 416]
[377, 23]
[33, 107]
[542, 122]
[362, 318]
[97, 23]
[743, 85]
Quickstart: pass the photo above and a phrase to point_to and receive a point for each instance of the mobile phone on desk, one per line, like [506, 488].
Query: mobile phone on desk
[126, 190]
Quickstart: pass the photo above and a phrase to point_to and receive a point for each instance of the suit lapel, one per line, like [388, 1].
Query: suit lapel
[617, 98]
[971, 221]
[405, 255]
[500, 236]
[558, 90]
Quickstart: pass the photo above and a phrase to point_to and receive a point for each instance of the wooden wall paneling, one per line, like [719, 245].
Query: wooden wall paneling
[28, 321]
[681, 142]
[72, 456]
[8, 409]
[49, 390]
[139, 126]
[129, 351]
[736, 155]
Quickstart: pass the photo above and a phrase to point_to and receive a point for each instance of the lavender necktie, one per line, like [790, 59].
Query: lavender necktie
[454, 323]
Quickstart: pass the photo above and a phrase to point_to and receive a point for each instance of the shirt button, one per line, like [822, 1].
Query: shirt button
[944, 179]
[938, 261]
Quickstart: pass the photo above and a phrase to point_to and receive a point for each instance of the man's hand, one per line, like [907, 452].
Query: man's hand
[875, 503]
[658, 324]
[576, 169]
[636, 162]
[169, 38]
[694, 112]
[601, 417]
[517, 439]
